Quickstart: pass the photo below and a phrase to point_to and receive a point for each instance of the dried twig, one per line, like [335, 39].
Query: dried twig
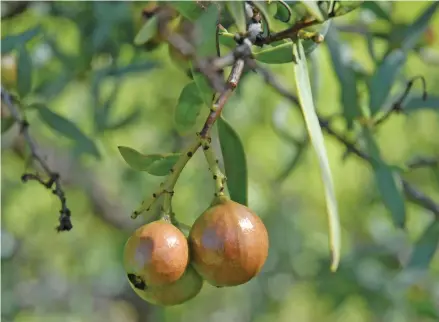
[53, 182]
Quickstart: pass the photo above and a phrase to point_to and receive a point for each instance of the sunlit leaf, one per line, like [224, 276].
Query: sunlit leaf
[236, 9]
[315, 132]
[414, 32]
[383, 79]
[206, 92]
[425, 247]
[415, 103]
[389, 186]
[206, 29]
[147, 32]
[313, 9]
[280, 54]
[344, 7]
[191, 10]
[67, 129]
[235, 162]
[346, 77]
[155, 164]
[12, 42]
[24, 72]
[188, 107]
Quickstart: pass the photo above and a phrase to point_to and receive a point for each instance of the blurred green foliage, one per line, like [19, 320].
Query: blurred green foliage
[94, 90]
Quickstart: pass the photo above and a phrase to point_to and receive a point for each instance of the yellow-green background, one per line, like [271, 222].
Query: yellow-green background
[77, 275]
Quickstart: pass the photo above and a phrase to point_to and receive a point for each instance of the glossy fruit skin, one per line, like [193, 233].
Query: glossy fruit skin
[228, 244]
[184, 289]
[157, 252]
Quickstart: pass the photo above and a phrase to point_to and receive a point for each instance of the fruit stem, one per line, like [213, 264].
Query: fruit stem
[214, 168]
[167, 187]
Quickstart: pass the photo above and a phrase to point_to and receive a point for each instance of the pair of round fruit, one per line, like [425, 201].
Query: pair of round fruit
[227, 246]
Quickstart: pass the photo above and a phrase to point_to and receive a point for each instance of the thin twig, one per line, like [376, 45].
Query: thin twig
[411, 192]
[218, 106]
[54, 179]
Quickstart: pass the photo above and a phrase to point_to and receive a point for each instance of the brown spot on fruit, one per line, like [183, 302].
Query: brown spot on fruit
[157, 253]
[182, 290]
[229, 244]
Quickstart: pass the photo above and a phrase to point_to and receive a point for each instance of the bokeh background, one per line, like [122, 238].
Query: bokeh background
[86, 68]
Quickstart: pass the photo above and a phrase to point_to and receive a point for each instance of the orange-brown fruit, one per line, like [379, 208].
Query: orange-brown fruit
[157, 253]
[228, 244]
[184, 289]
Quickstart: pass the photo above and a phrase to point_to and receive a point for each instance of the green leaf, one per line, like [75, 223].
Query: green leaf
[283, 12]
[383, 79]
[415, 103]
[7, 122]
[387, 182]
[131, 118]
[205, 91]
[315, 132]
[188, 9]
[227, 39]
[235, 162]
[155, 164]
[425, 248]
[313, 9]
[280, 54]
[346, 77]
[413, 33]
[147, 32]
[188, 107]
[377, 8]
[12, 42]
[68, 129]
[24, 72]
[236, 10]
[206, 29]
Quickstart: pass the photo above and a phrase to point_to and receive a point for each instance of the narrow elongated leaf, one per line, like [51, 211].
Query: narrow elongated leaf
[315, 132]
[276, 55]
[415, 103]
[387, 182]
[205, 91]
[206, 28]
[24, 72]
[346, 77]
[383, 79]
[188, 9]
[155, 164]
[414, 32]
[236, 10]
[313, 9]
[147, 32]
[377, 8]
[425, 248]
[188, 107]
[12, 42]
[68, 129]
[235, 162]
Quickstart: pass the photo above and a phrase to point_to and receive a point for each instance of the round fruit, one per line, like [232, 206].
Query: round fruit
[228, 244]
[184, 289]
[157, 252]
